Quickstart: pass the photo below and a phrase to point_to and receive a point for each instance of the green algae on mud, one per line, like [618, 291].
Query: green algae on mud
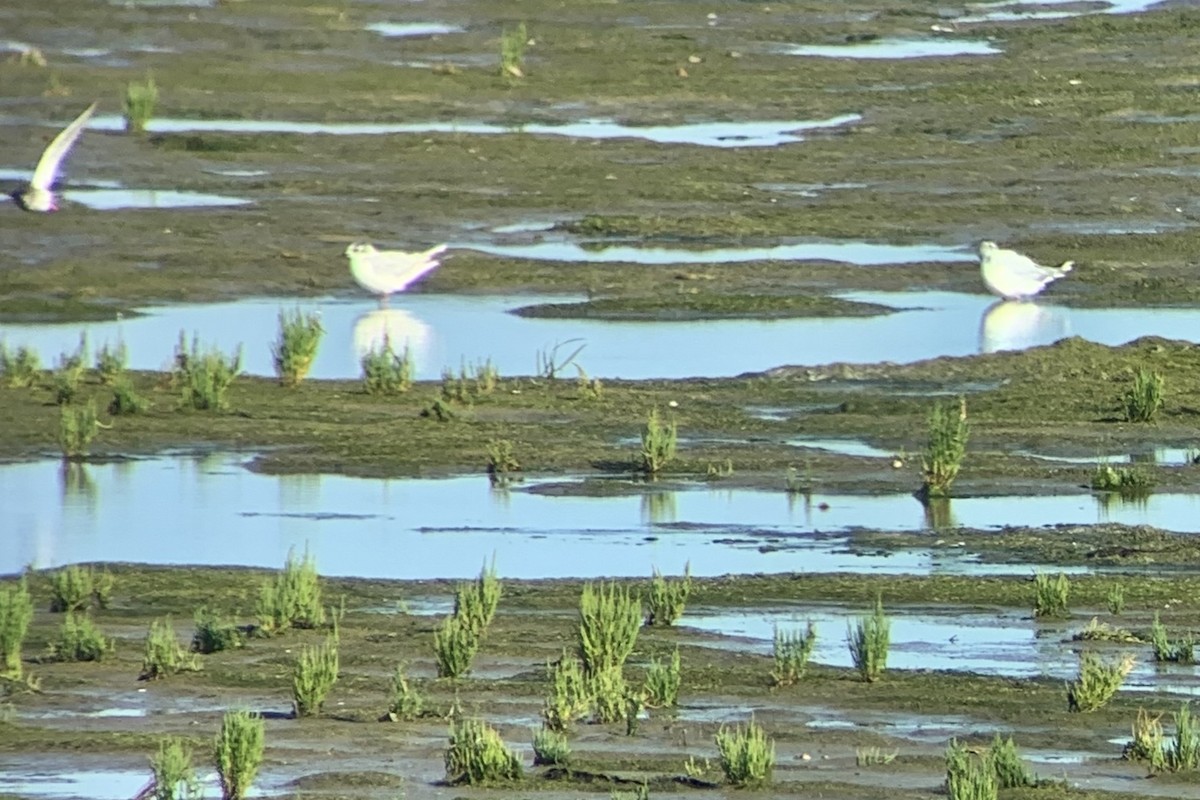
[698, 305]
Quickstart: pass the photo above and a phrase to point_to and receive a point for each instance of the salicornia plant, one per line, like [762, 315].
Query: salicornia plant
[295, 350]
[945, 448]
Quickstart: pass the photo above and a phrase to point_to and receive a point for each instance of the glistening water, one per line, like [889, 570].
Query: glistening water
[209, 509]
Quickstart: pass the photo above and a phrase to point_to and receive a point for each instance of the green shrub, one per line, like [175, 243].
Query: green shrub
[163, 654]
[659, 441]
[1116, 599]
[75, 588]
[501, 463]
[293, 599]
[296, 348]
[405, 703]
[944, 449]
[80, 640]
[77, 429]
[174, 776]
[747, 755]
[1183, 753]
[315, 674]
[1127, 481]
[477, 755]
[668, 597]
[967, 777]
[1146, 743]
[126, 399]
[1050, 595]
[213, 633]
[792, 651]
[550, 747]
[1182, 651]
[569, 698]
[386, 372]
[204, 377]
[512, 51]
[111, 363]
[239, 752]
[869, 638]
[19, 368]
[1144, 399]
[475, 603]
[1098, 681]
[1007, 766]
[16, 612]
[608, 626]
[662, 682]
[454, 646]
[140, 99]
[609, 694]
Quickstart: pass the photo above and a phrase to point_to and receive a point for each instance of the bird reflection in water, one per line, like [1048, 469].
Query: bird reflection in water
[380, 327]
[1020, 324]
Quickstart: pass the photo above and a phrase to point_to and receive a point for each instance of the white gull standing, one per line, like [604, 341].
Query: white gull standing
[1013, 276]
[385, 272]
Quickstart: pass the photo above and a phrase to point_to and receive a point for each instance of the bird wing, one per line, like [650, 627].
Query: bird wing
[1024, 268]
[399, 268]
[47, 166]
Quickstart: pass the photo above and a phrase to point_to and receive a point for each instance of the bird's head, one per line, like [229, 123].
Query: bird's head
[359, 249]
[987, 247]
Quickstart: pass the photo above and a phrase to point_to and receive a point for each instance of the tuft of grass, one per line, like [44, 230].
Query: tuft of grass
[80, 640]
[315, 673]
[293, 599]
[668, 597]
[659, 441]
[1050, 595]
[454, 646]
[405, 703]
[77, 429]
[968, 777]
[1128, 481]
[1116, 599]
[295, 350]
[239, 752]
[792, 651]
[869, 639]
[1006, 764]
[163, 654]
[204, 376]
[20, 368]
[747, 755]
[501, 463]
[797, 483]
[174, 776]
[213, 633]
[1098, 681]
[608, 626]
[75, 588]
[873, 756]
[662, 682]
[111, 363]
[68, 372]
[16, 612]
[569, 697]
[1183, 751]
[609, 693]
[640, 792]
[550, 747]
[386, 372]
[126, 399]
[1165, 650]
[140, 99]
[1146, 743]
[512, 51]
[477, 755]
[945, 448]
[1144, 399]
[475, 603]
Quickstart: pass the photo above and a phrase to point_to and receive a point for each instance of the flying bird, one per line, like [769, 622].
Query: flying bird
[38, 194]
[384, 272]
[1013, 276]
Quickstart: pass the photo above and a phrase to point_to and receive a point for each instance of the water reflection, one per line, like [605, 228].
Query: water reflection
[391, 326]
[938, 514]
[1018, 325]
[892, 48]
[77, 486]
[659, 507]
[119, 199]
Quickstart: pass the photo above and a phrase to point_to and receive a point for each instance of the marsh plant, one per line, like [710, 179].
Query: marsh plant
[126, 399]
[295, 350]
[385, 371]
[1182, 753]
[19, 368]
[1181, 651]
[869, 639]
[214, 633]
[77, 429]
[668, 597]
[792, 649]
[174, 776]
[1097, 682]
[873, 756]
[747, 755]
[204, 376]
[16, 612]
[80, 640]
[551, 748]
[475, 603]
[569, 698]
[1116, 599]
[315, 673]
[662, 682]
[293, 599]
[477, 755]
[659, 440]
[945, 448]
[609, 618]
[640, 792]
[796, 482]
[1128, 481]
[239, 752]
[75, 588]
[1144, 399]
[140, 99]
[1146, 742]
[111, 362]
[404, 702]
[162, 654]
[501, 463]
[968, 777]
[591, 388]
[609, 693]
[512, 51]
[550, 363]
[455, 643]
[1051, 594]
[1005, 761]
